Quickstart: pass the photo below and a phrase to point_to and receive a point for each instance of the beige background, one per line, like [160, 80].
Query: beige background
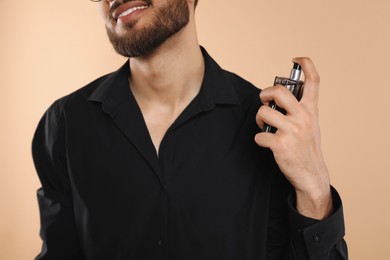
[50, 48]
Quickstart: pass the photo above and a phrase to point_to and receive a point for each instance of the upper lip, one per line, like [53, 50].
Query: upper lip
[126, 6]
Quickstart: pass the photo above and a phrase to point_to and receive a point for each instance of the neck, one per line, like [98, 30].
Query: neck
[172, 75]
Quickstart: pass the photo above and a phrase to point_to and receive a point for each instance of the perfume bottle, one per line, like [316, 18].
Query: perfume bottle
[293, 84]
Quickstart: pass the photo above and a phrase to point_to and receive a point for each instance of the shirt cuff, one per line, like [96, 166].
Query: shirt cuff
[316, 237]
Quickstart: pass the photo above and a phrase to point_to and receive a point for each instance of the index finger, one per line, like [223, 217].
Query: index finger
[312, 80]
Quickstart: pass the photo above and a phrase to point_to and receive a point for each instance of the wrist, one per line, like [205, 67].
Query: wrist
[316, 204]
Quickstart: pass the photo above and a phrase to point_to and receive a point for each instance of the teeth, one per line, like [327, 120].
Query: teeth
[132, 10]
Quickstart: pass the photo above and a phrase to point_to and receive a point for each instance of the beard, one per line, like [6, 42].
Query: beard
[141, 42]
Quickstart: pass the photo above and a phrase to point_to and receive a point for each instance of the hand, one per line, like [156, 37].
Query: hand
[296, 145]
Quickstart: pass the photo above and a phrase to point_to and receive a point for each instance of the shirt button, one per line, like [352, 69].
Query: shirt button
[159, 243]
[164, 186]
[316, 238]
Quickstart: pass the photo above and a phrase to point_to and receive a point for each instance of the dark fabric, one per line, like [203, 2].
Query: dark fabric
[211, 193]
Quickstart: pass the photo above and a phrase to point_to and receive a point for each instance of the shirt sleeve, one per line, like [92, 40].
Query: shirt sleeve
[292, 236]
[318, 239]
[57, 231]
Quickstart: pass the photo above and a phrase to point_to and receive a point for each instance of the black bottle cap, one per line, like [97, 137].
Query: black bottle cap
[297, 66]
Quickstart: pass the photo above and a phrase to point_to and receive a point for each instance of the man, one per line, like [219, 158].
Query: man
[164, 158]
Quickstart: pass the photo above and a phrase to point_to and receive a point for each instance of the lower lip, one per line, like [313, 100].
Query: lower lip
[131, 16]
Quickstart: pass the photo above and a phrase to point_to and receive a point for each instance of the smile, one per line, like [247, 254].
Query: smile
[129, 11]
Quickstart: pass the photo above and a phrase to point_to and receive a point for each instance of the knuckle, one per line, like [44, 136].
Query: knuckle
[295, 130]
[266, 109]
[307, 60]
[314, 78]
[260, 115]
[279, 90]
[261, 110]
[284, 143]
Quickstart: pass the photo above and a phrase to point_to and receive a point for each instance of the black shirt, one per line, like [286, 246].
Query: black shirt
[211, 193]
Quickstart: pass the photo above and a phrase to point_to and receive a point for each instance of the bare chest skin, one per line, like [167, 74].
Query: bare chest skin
[159, 113]
[158, 119]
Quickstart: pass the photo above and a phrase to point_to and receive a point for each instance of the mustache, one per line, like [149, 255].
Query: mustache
[119, 3]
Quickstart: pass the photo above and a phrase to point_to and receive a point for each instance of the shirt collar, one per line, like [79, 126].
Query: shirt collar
[113, 88]
[217, 86]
